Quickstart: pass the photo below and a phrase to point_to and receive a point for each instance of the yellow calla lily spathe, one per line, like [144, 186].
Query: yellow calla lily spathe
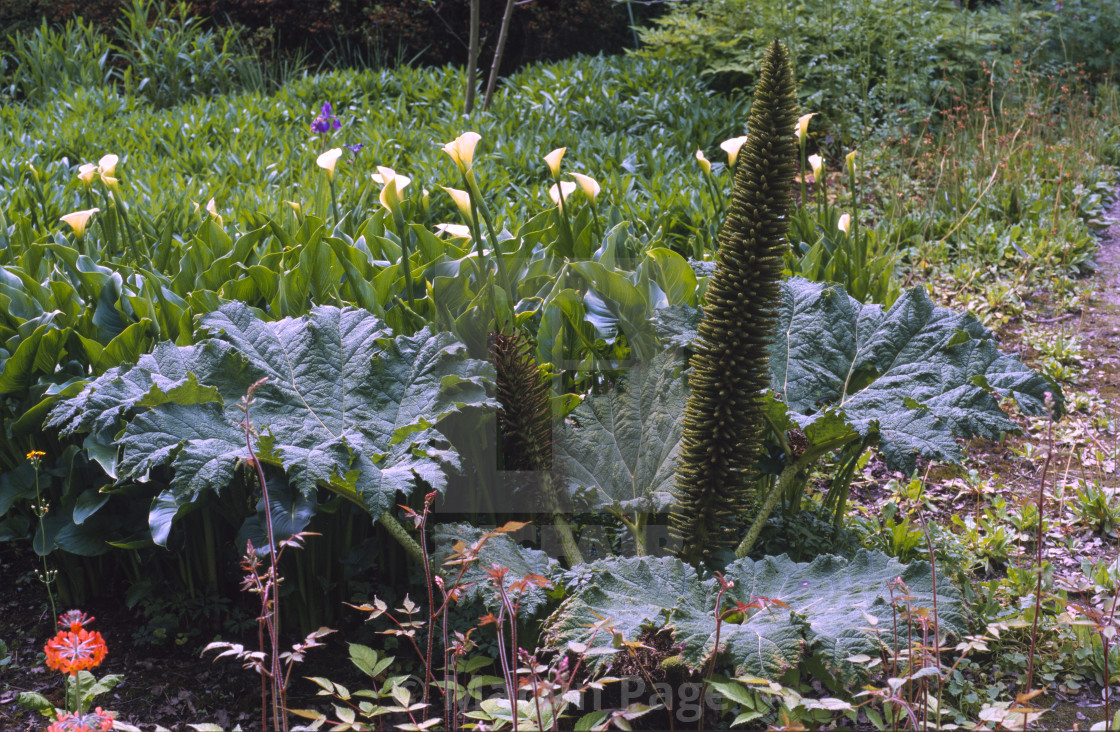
[78, 220]
[850, 161]
[802, 127]
[567, 187]
[553, 160]
[705, 164]
[461, 150]
[328, 160]
[589, 185]
[731, 147]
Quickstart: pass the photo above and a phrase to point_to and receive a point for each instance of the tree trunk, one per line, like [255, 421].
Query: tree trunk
[472, 57]
[502, 36]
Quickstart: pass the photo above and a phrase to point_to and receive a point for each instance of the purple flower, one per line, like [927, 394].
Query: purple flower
[325, 121]
[354, 148]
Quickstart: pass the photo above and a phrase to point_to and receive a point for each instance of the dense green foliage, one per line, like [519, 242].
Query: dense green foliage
[862, 64]
[358, 32]
[723, 420]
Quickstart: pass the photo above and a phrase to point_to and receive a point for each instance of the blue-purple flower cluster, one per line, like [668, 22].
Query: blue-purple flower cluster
[325, 121]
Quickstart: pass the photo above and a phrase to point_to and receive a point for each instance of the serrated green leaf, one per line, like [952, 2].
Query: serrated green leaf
[820, 608]
[624, 444]
[500, 549]
[914, 377]
[344, 403]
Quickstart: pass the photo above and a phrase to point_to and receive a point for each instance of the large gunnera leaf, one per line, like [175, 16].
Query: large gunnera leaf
[623, 444]
[471, 560]
[831, 608]
[913, 376]
[345, 403]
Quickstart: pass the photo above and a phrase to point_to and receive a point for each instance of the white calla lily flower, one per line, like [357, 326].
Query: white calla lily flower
[705, 164]
[459, 231]
[553, 160]
[462, 200]
[567, 187]
[816, 162]
[79, 220]
[732, 147]
[802, 127]
[589, 185]
[461, 150]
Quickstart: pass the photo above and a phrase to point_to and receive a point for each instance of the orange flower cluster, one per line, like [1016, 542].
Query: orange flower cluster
[95, 721]
[75, 649]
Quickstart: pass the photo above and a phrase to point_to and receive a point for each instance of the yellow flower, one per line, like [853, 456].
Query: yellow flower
[845, 223]
[566, 187]
[36, 455]
[457, 230]
[802, 126]
[392, 185]
[704, 163]
[328, 160]
[816, 162]
[461, 150]
[589, 185]
[295, 206]
[462, 199]
[78, 220]
[732, 147]
[86, 174]
[108, 164]
[850, 161]
[553, 159]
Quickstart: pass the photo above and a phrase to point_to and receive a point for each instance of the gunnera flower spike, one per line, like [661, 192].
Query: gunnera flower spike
[723, 419]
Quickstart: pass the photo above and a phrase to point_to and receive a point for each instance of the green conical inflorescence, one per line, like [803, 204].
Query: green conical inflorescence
[723, 418]
[525, 419]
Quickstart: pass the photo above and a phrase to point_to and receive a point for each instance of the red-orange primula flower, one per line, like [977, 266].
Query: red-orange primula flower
[71, 652]
[95, 721]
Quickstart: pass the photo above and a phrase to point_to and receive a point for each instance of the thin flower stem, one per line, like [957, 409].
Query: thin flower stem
[1041, 505]
[40, 510]
[271, 597]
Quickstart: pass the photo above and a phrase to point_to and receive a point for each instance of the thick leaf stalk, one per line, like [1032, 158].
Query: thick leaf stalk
[723, 420]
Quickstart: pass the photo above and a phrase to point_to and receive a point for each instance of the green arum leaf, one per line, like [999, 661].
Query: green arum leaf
[834, 608]
[623, 445]
[38, 353]
[500, 549]
[915, 375]
[345, 405]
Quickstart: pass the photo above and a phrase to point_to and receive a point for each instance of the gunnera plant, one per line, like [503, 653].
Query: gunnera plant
[723, 419]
